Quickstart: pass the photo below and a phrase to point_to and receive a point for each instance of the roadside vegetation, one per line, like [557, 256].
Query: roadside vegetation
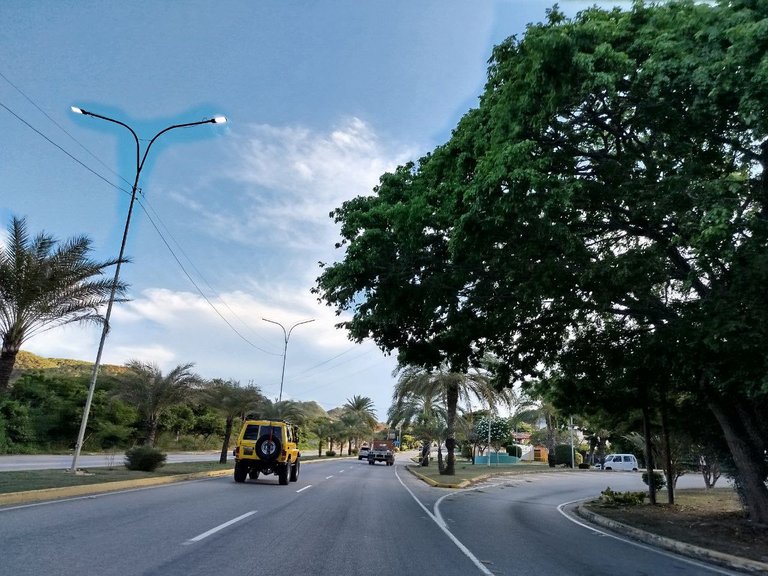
[137, 404]
[588, 253]
[594, 234]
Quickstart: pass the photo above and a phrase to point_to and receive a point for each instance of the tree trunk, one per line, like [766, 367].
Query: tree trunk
[227, 436]
[452, 401]
[149, 440]
[748, 457]
[425, 453]
[649, 464]
[7, 362]
[671, 477]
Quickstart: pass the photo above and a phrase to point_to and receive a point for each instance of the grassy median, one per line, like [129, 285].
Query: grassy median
[468, 472]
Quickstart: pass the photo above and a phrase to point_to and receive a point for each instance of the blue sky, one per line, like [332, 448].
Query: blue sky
[321, 97]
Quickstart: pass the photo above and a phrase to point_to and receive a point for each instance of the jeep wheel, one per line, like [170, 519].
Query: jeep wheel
[268, 448]
[282, 474]
[241, 471]
[253, 474]
[295, 471]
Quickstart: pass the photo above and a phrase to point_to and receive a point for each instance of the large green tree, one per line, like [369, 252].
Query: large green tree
[611, 187]
[45, 284]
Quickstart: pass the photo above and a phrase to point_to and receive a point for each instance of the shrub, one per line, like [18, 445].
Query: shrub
[144, 458]
[583, 466]
[354, 452]
[615, 499]
[563, 455]
[330, 453]
[466, 451]
[658, 480]
[514, 450]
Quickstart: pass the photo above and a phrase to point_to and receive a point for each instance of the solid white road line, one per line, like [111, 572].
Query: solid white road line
[305, 488]
[441, 524]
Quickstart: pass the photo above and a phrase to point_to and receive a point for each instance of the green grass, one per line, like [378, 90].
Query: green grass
[467, 471]
[44, 479]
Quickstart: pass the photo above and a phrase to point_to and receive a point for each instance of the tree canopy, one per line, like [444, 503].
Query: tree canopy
[600, 220]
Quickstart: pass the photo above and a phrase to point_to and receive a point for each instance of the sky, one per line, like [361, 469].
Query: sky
[322, 98]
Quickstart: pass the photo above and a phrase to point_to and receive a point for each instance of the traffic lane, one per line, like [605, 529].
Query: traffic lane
[133, 531]
[523, 531]
[217, 526]
[359, 521]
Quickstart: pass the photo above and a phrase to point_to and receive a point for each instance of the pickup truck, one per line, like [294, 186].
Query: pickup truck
[381, 454]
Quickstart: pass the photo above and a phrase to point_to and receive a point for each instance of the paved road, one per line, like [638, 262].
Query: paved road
[342, 518]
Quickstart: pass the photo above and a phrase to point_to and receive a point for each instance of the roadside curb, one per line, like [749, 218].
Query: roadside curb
[719, 558]
[31, 496]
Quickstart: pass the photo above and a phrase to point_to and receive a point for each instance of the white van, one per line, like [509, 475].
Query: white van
[620, 462]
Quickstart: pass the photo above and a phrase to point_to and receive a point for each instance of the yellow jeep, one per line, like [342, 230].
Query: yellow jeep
[267, 447]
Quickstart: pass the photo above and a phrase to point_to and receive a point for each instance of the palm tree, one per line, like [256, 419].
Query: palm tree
[145, 388]
[288, 410]
[424, 414]
[361, 408]
[451, 386]
[322, 427]
[232, 401]
[43, 286]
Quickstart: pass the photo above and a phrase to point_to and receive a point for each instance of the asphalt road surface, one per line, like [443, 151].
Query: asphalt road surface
[342, 518]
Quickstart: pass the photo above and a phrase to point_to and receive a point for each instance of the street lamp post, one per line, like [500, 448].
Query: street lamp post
[286, 335]
[139, 165]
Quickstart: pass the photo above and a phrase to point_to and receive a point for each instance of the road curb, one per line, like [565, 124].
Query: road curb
[31, 496]
[682, 548]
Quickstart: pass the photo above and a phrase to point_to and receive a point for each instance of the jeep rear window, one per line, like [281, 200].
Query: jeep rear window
[251, 432]
[276, 431]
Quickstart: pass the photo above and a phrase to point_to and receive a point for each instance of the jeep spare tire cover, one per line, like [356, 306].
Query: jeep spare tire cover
[268, 448]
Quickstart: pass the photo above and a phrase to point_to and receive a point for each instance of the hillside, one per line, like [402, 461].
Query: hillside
[28, 362]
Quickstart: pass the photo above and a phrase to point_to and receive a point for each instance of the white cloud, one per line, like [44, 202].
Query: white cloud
[292, 177]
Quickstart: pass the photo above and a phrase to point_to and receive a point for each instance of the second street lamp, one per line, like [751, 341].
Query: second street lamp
[286, 335]
[139, 165]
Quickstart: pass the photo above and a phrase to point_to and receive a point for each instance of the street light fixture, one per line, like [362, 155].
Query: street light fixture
[139, 165]
[285, 349]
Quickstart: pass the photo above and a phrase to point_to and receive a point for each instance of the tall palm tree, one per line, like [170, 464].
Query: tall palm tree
[362, 412]
[232, 401]
[452, 386]
[363, 407]
[44, 285]
[322, 427]
[150, 392]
